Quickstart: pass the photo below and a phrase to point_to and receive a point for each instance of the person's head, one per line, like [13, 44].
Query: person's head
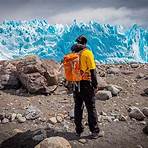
[77, 47]
[81, 40]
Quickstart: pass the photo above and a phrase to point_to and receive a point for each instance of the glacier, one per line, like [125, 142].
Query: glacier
[110, 44]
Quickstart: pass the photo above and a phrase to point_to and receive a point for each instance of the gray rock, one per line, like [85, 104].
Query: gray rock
[71, 114]
[132, 108]
[140, 75]
[83, 141]
[36, 75]
[145, 111]
[113, 70]
[136, 114]
[8, 76]
[101, 83]
[101, 134]
[53, 120]
[127, 72]
[2, 116]
[21, 119]
[134, 65]
[142, 122]
[5, 120]
[54, 142]
[145, 129]
[146, 91]
[13, 116]
[139, 146]
[122, 118]
[59, 118]
[103, 95]
[113, 89]
[32, 113]
[39, 135]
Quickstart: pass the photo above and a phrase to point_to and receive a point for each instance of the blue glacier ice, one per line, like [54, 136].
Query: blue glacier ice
[110, 44]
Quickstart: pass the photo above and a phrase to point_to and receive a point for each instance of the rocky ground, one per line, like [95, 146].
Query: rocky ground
[122, 105]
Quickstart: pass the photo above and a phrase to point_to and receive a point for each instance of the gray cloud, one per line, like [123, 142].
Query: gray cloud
[64, 11]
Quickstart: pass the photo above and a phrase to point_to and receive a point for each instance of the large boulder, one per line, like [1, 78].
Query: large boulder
[8, 76]
[36, 75]
[54, 142]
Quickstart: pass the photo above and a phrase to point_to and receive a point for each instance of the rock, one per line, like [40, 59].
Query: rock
[113, 89]
[59, 118]
[101, 83]
[34, 82]
[32, 113]
[101, 134]
[2, 116]
[39, 135]
[36, 75]
[5, 120]
[8, 76]
[146, 91]
[53, 120]
[143, 122]
[110, 118]
[145, 129]
[103, 113]
[136, 114]
[83, 141]
[134, 65]
[140, 75]
[21, 119]
[54, 142]
[132, 108]
[113, 70]
[127, 72]
[17, 131]
[100, 118]
[116, 120]
[71, 114]
[122, 118]
[145, 111]
[13, 116]
[18, 115]
[42, 119]
[103, 95]
[139, 146]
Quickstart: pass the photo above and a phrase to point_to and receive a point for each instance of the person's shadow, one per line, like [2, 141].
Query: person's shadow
[25, 140]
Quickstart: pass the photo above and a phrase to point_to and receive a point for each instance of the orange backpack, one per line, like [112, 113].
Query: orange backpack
[72, 67]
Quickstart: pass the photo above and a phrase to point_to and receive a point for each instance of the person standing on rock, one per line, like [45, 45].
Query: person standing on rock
[86, 92]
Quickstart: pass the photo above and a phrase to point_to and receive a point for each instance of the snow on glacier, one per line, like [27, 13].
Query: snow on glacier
[110, 44]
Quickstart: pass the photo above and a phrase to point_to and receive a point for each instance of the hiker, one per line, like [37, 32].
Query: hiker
[86, 92]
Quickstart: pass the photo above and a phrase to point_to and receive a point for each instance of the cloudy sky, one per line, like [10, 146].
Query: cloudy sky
[124, 12]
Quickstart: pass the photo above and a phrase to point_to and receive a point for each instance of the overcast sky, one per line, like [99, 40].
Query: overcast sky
[124, 12]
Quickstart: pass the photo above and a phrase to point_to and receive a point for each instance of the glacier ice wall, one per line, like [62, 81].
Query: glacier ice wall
[110, 44]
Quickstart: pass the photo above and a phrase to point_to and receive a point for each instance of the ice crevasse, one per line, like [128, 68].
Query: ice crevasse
[110, 44]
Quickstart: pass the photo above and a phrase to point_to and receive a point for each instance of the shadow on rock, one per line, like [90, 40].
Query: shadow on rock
[30, 138]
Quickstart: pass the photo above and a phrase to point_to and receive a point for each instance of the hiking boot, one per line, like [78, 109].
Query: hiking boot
[95, 135]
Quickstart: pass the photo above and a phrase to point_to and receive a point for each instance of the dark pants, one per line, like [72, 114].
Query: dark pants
[85, 95]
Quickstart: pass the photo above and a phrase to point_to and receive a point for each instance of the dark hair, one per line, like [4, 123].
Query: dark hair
[81, 40]
[77, 47]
